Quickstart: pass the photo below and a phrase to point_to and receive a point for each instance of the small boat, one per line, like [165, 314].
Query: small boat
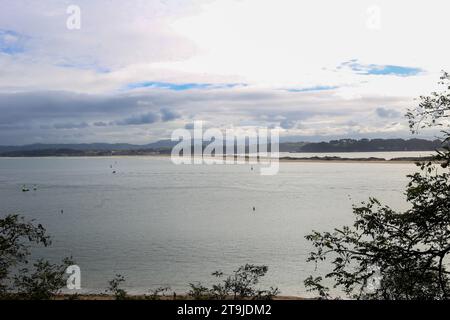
[34, 187]
[25, 189]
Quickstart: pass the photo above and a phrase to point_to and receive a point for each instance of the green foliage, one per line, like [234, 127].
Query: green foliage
[199, 292]
[115, 287]
[16, 235]
[432, 110]
[314, 284]
[241, 284]
[44, 282]
[157, 293]
[45, 279]
[404, 251]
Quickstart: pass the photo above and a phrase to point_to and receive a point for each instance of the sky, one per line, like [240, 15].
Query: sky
[134, 71]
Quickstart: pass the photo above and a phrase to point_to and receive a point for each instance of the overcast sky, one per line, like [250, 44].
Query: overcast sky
[136, 70]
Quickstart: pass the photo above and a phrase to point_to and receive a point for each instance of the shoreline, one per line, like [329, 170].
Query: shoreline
[246, 160]
[334, 159]
[181, 297]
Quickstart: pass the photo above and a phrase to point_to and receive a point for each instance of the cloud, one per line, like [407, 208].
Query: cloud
[70, 125]
[287, 124]
[145, 26]
[142, 116]
[387, 113]
[162, 61]
[100, 124]
[146, 118]
[164, 115]
[26, 106]
[168, 115]
[188, 46]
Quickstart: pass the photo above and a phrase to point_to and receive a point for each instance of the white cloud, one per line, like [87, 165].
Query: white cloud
[269, 45]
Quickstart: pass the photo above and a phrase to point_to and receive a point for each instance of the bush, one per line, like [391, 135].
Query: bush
[115, 287]
[16, 238]
[404, 253]
[241, 284]
[44, 283]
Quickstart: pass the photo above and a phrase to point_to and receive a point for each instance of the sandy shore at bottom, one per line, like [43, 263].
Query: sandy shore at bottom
[148, 297]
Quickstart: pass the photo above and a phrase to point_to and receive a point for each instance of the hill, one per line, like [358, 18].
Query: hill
[165, 146]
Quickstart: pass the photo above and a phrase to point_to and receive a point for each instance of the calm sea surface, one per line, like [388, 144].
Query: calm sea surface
[160, 224]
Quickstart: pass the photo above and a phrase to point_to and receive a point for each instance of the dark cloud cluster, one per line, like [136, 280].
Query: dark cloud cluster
[52, 106]
[92, 118]
[287, 124]
[100, 124]
[70, 125]
[387, 113]
[164, 115]
[169, 115]
[147, 118]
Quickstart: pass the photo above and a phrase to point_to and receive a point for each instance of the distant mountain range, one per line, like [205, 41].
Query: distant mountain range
[371, 145]
[165, 146]
[88, 146]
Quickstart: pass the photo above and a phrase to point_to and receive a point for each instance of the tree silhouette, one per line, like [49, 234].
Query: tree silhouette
[405, 251]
